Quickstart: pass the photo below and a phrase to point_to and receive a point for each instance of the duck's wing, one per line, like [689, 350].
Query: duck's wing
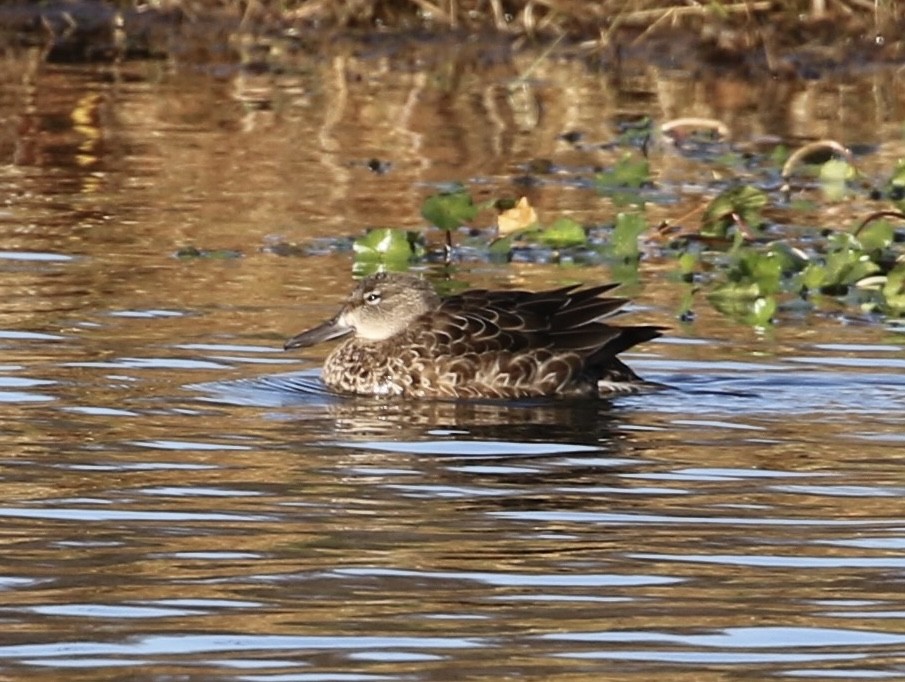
[563, 320]
[520, 343]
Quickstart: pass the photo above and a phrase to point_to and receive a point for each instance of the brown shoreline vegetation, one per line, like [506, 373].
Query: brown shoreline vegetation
[764, 35]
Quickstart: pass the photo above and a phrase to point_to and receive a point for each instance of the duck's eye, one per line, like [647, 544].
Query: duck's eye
[372, 297]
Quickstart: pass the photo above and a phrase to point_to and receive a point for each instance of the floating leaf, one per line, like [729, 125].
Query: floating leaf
[757, 311]
[779, 155]
[688, 263]
[449, 210]
[762, 311]
[792, 259]
[898, 175]
[623, 183]
[563, 233]
[896, 186]
[764, 269]
[845, 264]
[387, 245]
[747, 291]
[624, 241]
[833, 176]
[500, 250]
[894, 291]
[836, 170]
[520, 217]
[813, 277]
[877, 236]
[730, 207]
[629, 172]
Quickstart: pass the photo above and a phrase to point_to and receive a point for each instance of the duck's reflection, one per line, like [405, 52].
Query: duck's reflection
[584, 421]
[315, 412]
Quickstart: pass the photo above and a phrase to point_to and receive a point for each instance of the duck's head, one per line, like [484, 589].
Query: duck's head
[380, 307]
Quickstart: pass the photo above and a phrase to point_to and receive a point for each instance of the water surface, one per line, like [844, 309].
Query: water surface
[180, 498]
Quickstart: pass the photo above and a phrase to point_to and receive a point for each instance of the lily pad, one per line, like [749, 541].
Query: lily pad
[449, 210]
[389, 246]
[563, 233]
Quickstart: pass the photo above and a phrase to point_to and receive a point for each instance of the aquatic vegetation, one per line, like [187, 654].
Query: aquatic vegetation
[449, 210]
[386, 248]
[743, 263]
[738, 207]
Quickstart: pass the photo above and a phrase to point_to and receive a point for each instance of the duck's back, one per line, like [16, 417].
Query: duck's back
[498, 344]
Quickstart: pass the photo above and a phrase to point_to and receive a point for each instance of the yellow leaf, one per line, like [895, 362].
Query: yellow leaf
[520, 217]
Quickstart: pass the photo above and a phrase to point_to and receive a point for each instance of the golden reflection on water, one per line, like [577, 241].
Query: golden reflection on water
[137, 505]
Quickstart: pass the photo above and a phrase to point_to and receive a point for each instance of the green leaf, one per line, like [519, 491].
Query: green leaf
[896, 186]
[564, 232]
[762, 269]
[877, 236]
[742, 203]
[629, 172]
[624, 240]
[501, 249]
[813, 276]
[449, 210]
[792, 260]
[844, 265]
[836, 170]
[762, 311]
[754, 273]
[387, 245]
[745, 291]
[755, 311]
[894, 292]
[779, 155]
[688, 263]
[624, 181]
[833, 176]
[898, 175]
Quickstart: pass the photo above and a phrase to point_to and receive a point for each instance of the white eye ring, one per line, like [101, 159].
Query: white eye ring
[372, 297]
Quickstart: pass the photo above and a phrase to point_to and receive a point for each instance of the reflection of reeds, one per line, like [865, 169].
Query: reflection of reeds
[108, 30]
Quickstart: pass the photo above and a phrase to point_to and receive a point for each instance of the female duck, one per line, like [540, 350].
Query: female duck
[404, 340]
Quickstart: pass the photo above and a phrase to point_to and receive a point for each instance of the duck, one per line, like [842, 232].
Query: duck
[403, 339]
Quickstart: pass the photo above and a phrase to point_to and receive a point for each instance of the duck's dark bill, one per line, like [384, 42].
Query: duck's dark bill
[323, 332]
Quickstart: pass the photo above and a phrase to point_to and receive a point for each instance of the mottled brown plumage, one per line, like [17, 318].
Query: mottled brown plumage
[407, 341]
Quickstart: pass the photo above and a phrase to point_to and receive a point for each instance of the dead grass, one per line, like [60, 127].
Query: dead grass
[837, 30]
[579, 18]
[833, 30]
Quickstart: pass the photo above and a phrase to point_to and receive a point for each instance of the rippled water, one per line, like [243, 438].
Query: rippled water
[182, 500]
